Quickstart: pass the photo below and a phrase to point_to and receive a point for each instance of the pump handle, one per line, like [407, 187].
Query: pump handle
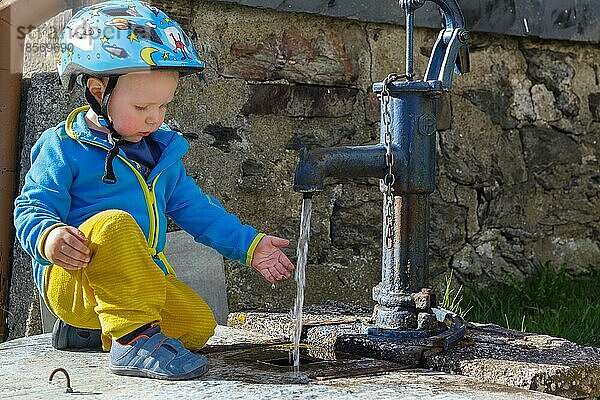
[453, 16]
[450, 52]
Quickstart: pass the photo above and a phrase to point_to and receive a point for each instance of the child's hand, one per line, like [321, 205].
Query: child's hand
[66, 247]
[270, 261]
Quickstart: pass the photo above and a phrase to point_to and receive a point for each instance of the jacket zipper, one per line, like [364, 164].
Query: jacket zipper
[153, 207]
[149, 196]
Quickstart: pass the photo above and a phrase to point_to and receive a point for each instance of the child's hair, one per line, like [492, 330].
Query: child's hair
[115, 38]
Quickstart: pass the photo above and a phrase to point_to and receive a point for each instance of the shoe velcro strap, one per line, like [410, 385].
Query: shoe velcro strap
[166, 350]
[151, 344]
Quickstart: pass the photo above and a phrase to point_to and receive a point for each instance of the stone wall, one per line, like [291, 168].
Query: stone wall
[518, 180]
[518, 177]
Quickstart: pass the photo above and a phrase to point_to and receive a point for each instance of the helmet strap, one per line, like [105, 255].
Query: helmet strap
[114, 137]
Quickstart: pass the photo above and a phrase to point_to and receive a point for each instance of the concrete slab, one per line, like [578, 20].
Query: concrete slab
[201, 268]
[26, 363]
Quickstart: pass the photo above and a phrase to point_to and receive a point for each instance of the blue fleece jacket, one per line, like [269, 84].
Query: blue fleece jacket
[64, 187]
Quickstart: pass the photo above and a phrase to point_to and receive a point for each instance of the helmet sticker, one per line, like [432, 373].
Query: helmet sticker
[150, 7]
[115, 51]
[146, 55]
[121, 11]
[119, 23]
[175, 37]
[82, 35]
[146, 31]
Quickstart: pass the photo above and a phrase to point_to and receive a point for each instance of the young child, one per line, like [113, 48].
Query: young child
[93, 211]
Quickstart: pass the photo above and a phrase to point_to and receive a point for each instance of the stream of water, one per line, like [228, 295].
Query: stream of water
[302, 253]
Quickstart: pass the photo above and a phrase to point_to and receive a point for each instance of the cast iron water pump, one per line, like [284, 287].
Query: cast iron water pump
[404, 160]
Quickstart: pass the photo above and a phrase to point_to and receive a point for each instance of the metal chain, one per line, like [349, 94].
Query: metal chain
[389, 179]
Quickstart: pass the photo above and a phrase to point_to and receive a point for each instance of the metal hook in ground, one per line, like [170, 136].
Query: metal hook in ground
[64, 371]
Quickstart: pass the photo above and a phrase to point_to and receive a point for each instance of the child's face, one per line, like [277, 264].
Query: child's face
[139, 102]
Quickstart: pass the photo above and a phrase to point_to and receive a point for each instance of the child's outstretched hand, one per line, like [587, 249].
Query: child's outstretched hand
[66, 247]
[270, 261]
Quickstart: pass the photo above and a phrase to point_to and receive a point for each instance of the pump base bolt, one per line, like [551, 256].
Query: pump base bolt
[464, 36]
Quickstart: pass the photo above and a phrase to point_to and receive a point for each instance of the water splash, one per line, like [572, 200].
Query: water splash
[302, 252]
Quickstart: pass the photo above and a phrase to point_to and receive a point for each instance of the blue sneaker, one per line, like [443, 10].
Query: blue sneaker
[153, 355]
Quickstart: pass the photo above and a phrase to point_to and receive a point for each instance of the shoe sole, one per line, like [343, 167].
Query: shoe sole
[143, 373]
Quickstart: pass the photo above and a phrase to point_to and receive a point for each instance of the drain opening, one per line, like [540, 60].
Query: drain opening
[286, 362]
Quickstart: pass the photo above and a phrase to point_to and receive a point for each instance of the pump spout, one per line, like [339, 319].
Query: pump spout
[342, 162]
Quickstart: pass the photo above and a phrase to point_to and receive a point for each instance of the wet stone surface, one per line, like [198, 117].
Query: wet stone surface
[271, 364]
[488, 353]
[235, 373]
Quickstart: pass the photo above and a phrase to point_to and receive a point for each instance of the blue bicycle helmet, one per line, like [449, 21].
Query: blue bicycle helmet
[118, 37]
[115, 38]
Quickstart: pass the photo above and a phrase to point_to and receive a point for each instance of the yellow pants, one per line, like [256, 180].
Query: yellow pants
[122, 288]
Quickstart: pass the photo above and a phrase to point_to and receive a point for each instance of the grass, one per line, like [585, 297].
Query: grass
[452, 297]
[549, 301]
